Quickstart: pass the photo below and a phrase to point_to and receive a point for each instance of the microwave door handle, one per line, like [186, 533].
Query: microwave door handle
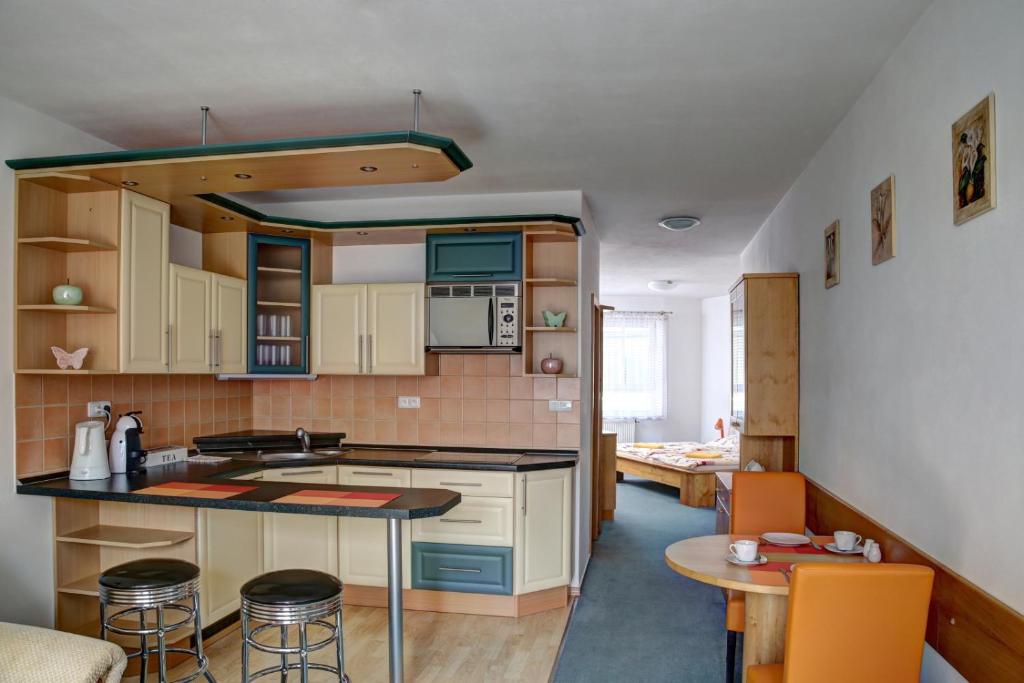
[491, 322]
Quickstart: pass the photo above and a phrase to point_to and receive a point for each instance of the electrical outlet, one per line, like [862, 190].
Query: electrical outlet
[560, 406]
[99, 409]
[408, 401]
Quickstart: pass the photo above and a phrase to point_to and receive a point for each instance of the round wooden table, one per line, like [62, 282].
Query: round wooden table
[766, 589]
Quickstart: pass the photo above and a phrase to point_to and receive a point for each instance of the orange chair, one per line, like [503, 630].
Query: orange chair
[761, 502]
[853, 622]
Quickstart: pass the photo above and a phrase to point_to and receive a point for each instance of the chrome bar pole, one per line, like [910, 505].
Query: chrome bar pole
[206, 114]
[395, 645]
[416, 109]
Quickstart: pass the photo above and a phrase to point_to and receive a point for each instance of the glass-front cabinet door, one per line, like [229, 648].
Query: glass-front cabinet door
[278, 304]
[738, 320]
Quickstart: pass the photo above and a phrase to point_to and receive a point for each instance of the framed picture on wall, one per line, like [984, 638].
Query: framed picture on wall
[883, 224]
[974, 162]
[832, 255]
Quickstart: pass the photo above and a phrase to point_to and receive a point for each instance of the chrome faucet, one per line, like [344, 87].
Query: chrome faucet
[303, 436]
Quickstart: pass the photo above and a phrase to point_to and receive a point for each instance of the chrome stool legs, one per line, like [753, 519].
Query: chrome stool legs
[280, 619]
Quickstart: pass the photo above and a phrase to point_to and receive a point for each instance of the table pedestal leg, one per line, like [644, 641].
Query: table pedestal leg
[764, 635]
[395, 645]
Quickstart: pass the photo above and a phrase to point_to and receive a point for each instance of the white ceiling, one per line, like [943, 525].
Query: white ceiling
[650, 107]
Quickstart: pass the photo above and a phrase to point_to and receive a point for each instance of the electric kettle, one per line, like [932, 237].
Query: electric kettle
[126, 453]
[90, 457]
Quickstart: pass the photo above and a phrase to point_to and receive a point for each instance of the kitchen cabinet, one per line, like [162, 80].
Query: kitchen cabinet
[301, 541]
[368, 329]
[543, 530]
[462, 568]
[145, 263]
[279, 315]
[474, 257]
[207, 322]
[230, 548]
[362, 543]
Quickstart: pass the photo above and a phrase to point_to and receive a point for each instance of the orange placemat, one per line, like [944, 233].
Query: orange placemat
[362, 499]
[195, 490]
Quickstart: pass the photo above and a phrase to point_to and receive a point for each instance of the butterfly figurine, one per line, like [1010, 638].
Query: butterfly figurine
[67, 360]
[554, 319]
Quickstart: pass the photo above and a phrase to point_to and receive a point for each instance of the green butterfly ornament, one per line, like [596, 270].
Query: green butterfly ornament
[554, 319]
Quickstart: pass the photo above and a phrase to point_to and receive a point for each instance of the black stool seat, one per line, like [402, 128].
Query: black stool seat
[149, 574]
[291, 587]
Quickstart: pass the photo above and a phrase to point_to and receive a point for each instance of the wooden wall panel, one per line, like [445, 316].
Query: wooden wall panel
[977, 634]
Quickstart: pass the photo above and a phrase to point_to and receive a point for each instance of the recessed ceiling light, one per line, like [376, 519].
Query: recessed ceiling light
[243, 176]
[679, 223]
[368, 169]
[227, 218]
[469, 229]
[662, 285]
[362, 233]
[287, 231]
[129, 183]
[415, 165]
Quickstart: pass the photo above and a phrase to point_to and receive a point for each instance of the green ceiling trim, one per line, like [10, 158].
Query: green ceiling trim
[253, 214]
[446, 145]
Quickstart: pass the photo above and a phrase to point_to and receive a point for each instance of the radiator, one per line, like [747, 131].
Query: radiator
[625, 430]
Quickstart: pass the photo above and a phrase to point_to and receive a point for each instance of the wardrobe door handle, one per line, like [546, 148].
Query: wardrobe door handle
[458, 569]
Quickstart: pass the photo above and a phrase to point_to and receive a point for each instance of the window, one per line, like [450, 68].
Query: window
[634, 366]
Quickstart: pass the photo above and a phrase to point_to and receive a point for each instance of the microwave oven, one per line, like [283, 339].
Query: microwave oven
[474, 318]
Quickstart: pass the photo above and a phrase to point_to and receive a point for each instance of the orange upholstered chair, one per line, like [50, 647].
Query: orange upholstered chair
[761, 502]
[853, 622]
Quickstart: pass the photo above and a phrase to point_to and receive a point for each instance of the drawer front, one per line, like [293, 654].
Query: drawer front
[362, 475]
[462, 568]
[474, 521]
[466, 482]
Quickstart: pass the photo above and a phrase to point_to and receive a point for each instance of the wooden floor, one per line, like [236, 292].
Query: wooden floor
[439, 648]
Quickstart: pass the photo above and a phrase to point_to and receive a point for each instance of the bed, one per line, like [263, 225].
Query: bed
[688, 465]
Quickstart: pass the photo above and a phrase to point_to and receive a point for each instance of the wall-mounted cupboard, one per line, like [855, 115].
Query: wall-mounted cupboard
[474, 257]
[207, 322]
[279, 273]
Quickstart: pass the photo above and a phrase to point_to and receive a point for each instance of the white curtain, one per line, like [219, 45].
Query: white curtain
[634, 366]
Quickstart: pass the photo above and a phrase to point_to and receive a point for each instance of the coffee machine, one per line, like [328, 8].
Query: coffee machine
[89, 460]
[126, 452]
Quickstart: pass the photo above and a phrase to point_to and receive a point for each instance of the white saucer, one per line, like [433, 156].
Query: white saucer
[856, 550]
[732, 559]
[785, 539]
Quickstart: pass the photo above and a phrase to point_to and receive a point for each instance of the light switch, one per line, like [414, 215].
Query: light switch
[408, 401]
[559, 406]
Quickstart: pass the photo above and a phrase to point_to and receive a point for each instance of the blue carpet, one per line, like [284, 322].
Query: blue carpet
[637, 620]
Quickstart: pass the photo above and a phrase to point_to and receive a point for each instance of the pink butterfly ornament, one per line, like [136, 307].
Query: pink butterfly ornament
[67, 360]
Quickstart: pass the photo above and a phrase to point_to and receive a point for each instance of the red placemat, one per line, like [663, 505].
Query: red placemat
[362, 499]
[794, 550]
[194, 490]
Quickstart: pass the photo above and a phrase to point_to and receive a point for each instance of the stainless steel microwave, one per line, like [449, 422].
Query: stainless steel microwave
[474, 318]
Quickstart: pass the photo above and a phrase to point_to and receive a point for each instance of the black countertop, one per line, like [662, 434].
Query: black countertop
[411, 504]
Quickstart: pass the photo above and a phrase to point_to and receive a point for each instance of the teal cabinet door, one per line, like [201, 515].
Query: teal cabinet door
[278, 305]
[462, 568]
[475, 257]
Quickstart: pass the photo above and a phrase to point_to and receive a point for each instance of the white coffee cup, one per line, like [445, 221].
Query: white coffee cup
[847, 540]
[745, 551]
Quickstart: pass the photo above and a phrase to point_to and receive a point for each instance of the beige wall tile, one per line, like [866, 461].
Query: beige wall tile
[541, 413]
[497, 366]
[520, 411]
[543, 436]
[544, 387]
[450, 364]
[520, 387]
[474, 434]
[497, 387]
[569, 388]
[497, 410]
[474, 365]
[451, 386]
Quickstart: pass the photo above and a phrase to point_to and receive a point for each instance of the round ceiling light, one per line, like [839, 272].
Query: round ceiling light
[368, 169]
[129, 183]
[662, 285]
[679, 223]
[243, 176]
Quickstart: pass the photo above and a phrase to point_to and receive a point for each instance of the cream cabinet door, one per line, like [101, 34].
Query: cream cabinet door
[394, 329]
[362, 543]
[543, 530]
[338, 329]
[145, 262]
[301, 541]
[229, 324]
[191, 319]
[230, 546]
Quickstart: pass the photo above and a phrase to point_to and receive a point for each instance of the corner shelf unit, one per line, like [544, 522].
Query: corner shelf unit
[67, 230]
[550, 282]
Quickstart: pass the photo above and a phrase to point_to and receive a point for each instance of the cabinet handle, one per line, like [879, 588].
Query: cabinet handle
[167, 362]
[462, 521]
[360, 354]
[460, 483]
[525, 495]
[374, 474]
[212, 348]
[219, 346]
[369, 354]
[458, 569]
[295, 474]
[474, 275]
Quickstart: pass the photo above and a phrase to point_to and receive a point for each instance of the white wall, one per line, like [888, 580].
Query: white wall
[26, 531]
[910, 369]
[186, 247]
[683, 351]
[380, 263]
[716, 370]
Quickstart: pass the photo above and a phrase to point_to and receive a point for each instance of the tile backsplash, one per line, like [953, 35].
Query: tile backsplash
[474, 400]
[175, 408]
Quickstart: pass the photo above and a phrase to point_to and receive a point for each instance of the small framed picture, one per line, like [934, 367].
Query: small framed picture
[832, 255]
[883, 224]
[974, 162]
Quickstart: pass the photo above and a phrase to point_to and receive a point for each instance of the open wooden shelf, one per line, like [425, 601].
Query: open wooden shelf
[279, 339]
[280, 271]
[562, 375]
[282, 304]
[66, 244]
[88, 585]
[69, 183]
[550, 329]
[62, 308]
[549, 282]
[126, 537]
[69, 371]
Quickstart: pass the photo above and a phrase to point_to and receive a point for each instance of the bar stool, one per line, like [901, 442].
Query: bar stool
[292, 597]
[154, 584]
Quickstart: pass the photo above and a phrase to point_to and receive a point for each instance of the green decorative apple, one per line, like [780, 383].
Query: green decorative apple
[67, 295]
